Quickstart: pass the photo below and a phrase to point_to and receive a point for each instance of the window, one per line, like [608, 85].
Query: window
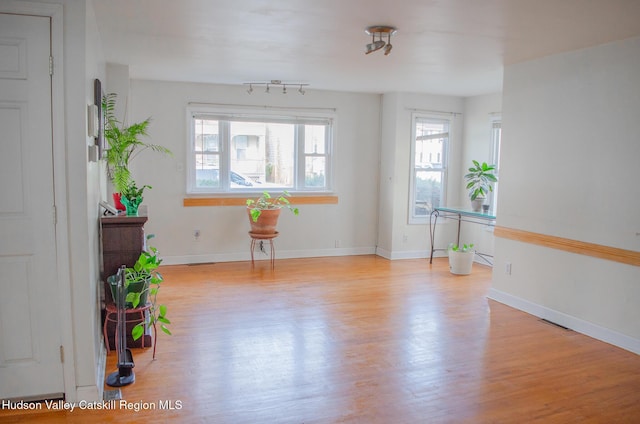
[429, 148]
[234, 152]
[496, 139]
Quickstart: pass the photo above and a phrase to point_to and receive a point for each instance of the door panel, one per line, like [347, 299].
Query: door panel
[30, 335]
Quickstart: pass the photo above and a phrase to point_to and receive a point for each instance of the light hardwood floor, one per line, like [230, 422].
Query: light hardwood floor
[362, 340]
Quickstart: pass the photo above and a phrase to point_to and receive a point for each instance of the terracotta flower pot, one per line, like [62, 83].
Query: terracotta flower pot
[266, 223]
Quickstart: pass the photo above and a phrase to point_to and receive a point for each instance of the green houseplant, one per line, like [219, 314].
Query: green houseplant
[265, 210]
[480, 180]
[131, 197]
[461, 258]
[124, 145]
[142, 284]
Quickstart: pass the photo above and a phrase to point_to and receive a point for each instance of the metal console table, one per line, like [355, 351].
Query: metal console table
[461, 214]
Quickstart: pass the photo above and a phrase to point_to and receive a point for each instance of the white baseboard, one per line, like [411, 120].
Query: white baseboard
[246, 256]
[89, 393]
[581, 326]
[102, 368]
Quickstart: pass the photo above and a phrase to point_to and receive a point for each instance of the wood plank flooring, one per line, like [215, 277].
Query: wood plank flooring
[362, 340]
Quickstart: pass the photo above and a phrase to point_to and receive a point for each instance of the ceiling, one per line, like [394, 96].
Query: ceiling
[450, 47]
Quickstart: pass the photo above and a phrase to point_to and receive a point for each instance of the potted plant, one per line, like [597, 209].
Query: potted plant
[480, 181]
[124, 145]
[131, 198]
[146, 268]
[142, 283]
[264, 212]
[461, 259]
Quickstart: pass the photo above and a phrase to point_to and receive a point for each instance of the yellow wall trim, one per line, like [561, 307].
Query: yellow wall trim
[624, 256]
[241, 201]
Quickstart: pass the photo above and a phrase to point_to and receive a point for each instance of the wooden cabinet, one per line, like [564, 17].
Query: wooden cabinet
[123, 240]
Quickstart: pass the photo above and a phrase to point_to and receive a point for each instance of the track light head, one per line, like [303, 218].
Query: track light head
[300, 90]
[250, 89]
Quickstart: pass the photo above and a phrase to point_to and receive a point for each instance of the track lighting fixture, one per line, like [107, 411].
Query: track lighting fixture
[380, 31]
[277, 83]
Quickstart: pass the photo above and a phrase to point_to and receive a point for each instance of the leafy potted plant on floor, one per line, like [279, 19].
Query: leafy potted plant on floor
[480, 181]
[147, 267]
[461, 259]
[264, 212]
[124, 145]
[142, 284]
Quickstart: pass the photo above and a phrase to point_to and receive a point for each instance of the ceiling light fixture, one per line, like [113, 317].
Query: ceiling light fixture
[379, 30]
[276, 83]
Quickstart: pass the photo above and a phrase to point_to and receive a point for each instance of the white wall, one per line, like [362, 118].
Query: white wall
[569, 162]
[91, 357]
[397, 238]
[478, 111]
[372, 147]
[352, 222]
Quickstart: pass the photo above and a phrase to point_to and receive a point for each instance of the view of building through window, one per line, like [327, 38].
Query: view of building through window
[236, 154]
[431, 136]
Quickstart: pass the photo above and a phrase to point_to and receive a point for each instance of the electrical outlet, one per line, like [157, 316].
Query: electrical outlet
[405, 238]
[507, 268]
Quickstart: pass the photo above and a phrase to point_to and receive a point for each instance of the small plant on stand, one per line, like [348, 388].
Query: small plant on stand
[146, 267]
[264, 212]
[266, 202]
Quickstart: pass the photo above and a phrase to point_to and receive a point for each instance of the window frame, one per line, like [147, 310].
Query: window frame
[228, 114]
[495, 121]
[444, 169]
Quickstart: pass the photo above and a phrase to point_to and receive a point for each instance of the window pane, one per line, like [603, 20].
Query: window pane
[314, 171]
[254, 151]
[314, 139]
[429, 153]
[206, 135]
[428, 186]
[261, 153]
[207, 170]
[206, 148]
[430, 141]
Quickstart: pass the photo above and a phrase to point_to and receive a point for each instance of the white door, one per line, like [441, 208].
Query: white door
[30, 335]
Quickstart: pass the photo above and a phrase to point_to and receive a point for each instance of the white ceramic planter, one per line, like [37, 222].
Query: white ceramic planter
[476, 204]
[460, 263]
